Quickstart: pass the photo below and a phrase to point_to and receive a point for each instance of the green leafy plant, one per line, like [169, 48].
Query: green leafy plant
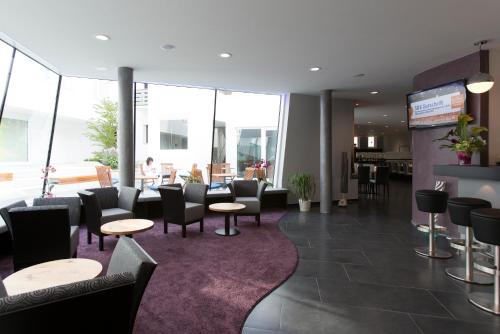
[192, 179]
[102, 131]
[464, 138]
[303, 185]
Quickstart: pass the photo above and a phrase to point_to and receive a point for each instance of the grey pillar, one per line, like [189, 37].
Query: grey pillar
[325, 149]
[126, 162]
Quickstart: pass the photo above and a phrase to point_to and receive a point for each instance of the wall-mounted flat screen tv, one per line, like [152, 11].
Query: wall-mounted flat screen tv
[437, 106]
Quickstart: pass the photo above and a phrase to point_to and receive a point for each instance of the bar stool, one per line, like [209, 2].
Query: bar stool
[433, 202]
[459, 209]
[486, 227]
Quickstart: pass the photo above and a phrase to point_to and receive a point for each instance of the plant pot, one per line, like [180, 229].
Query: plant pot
[464, 158]
[305, 206]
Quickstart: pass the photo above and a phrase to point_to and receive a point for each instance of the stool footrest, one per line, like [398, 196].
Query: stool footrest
[459, 244]
[485, 267]
[425, 228]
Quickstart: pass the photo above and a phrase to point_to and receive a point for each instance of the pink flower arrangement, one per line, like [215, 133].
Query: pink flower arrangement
[261, 164]
[45, 176]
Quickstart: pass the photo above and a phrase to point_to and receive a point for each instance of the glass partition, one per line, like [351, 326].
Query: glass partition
[246, 135]
[84, 135]
[25, 129]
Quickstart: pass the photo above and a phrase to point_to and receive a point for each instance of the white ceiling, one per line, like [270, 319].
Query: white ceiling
[273, 42]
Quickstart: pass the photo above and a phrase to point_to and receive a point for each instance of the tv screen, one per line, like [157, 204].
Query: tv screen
[436, 106]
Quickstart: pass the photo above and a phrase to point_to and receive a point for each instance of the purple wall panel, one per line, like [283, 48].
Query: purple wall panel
[426, 153]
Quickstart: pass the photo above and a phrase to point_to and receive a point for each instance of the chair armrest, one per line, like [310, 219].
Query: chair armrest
[127, 199]
[260, 190]
[230, 186]
[196, 193]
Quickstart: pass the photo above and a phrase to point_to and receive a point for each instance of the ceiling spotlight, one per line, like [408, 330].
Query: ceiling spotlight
[385, 115]
[403, 121]
[101, 68]
[357, 104]
[369, 122]
[374, 92]
[387, 126]
[225, 55]
[102, 37]
[315, 69]
[480, 82]
[167, 47]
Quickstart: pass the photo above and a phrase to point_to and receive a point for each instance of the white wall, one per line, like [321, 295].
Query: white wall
[494, 108]
[302, 139]
[342, 134]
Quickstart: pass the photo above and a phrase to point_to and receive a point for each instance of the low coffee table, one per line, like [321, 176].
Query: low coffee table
[50, 274]
[127, 227]
[227, 209]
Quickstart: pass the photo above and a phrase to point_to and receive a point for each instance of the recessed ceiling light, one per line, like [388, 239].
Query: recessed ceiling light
[315, 69]
[369, 122]
[102, 37]
[387, 126]
[167, 47]
[374, 92]
[101, 68]
[403, 121]
[385, 115]
[357, 104]
[225, 55]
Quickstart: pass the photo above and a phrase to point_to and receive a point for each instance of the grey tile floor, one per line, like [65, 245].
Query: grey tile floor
[357, 273]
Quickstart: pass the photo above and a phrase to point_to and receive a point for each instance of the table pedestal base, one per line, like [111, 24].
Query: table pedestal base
[232, 231]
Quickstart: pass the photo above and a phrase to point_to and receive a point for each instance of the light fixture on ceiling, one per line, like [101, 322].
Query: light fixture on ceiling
[357, 104]
[480, 82]
[315, 69]
[387, 126]
[385, 115]
[374, 92]
[102, 37]
[167, 47]
[403, 121]
[101, 68]
[369, 122]
[225, 55]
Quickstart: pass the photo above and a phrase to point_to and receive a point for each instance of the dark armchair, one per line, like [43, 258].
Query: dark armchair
[74, 206]
[249, 193]
[5, 230]
[103, 205]
[183, 208]
[40, 234]
[128, 256]
[53, 310]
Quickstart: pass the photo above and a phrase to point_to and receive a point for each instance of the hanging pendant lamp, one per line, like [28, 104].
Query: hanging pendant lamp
[480, 82]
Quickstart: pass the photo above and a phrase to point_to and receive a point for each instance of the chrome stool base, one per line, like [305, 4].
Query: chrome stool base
[484, 301]
[438, 254]
[459, 273]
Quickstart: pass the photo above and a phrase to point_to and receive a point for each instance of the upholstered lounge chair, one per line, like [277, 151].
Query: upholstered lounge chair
[249, 193]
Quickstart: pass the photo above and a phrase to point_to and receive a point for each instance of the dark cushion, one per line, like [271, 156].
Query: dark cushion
[460, 208]
[252, 205]
[107, 197]
[4, 212]
[245, 188]
[486, 225]
[109, 215]
[74, 205]
[432, 201]
[193, 212]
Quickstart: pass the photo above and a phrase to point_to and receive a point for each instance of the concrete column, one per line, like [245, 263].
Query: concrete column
[325, 151]
[126, 162]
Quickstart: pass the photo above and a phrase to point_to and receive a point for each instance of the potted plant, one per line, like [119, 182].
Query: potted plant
[303, 187]
[463, 140]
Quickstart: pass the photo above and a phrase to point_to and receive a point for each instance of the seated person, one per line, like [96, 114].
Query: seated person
[148, 169]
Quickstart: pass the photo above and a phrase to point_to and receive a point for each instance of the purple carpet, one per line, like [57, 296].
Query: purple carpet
[204, 283]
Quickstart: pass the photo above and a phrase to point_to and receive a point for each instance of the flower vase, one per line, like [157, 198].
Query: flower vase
[464, 158]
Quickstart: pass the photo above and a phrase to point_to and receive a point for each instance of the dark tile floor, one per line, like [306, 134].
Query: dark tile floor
[357, 273]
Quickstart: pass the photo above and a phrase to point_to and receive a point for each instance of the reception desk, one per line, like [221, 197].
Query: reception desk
[474, 181]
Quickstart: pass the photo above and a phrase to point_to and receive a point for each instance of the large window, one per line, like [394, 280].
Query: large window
[174, 127]
[26, 128]
[246, 132]
[84, 135]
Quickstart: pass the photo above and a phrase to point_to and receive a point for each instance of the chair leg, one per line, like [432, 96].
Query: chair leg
[89, 237]
[235, 220]
[183, 231]
[165, 227]
[201, 225]
[101, 243]
[257, 217]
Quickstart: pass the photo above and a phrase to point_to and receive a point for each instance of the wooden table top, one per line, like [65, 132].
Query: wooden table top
[127, 226]
[226, 207]
[225, 174]
[50, 274]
